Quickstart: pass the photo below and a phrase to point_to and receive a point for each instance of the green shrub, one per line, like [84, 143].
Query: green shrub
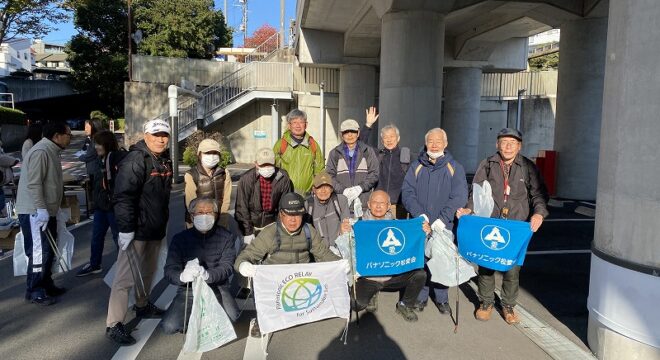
[99, 115]
[12, 116]
[120, 124]
[192, 142]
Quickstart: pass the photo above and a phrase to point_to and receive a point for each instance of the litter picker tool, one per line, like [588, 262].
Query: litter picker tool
[53, 245]
[133, 263]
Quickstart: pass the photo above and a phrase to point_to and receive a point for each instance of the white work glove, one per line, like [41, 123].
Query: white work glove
[203, 273]
[79, 153]
[193, 266]
[346, 265]
[246, 269]
[188, 275]
[247, 239]
[423, 216]
[41, 219]
[438, 226]
[352, 193]
[124, 239]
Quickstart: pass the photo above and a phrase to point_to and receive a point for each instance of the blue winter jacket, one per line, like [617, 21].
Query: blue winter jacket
[437, 190]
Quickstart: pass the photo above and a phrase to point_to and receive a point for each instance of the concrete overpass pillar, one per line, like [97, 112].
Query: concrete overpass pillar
[411, 61]
[579, 106]
[357, 91]
[625, 265]
[461, 115]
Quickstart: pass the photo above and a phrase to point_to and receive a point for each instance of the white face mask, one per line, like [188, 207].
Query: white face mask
[266, 171]
[435, 155]
[210, 160]
[203, 223]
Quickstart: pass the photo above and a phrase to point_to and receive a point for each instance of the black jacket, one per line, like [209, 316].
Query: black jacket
[142, 193]
[103, 180]
[528, 195]
[248, 210]
[215, 251]
[392, 172]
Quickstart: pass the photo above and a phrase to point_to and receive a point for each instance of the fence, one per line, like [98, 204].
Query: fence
[506, 85]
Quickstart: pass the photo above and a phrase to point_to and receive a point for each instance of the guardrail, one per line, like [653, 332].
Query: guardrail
[264, 49]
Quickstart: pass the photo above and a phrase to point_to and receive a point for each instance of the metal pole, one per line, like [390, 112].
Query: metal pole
[225, 13]
[275, 123]
[519, 113]
[174, 138]
[281, 24]
[322, 114]
[130, 44]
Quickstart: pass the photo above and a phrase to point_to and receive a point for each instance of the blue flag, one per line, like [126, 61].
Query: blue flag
[388, 247]
[496, 244]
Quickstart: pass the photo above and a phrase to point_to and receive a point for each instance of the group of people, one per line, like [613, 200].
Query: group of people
[289, 209]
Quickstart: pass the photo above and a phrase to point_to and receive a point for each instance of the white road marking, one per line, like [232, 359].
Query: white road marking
[145, 328]
[587, 203]
[558, 252]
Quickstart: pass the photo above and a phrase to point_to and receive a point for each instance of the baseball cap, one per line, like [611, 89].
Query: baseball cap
[265, 156]
[349, 125]
[322, 178]
[509, 132]
[292, 204]
[156, 126]
[208, 145]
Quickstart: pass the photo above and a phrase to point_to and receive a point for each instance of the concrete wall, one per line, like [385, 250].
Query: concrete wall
[492, 119]
[143, 101]
[537, 124]
[157, 69]
[310, 103]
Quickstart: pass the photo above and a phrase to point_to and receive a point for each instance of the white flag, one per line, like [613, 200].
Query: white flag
[293, 294]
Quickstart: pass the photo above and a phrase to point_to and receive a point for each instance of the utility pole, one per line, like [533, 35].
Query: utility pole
[130, 43]
[244, 20]
[225, 14]
[282, 41]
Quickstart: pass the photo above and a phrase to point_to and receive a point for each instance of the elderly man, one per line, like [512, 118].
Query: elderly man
[519, 194]
[39, 195]
[205, 250]
[353, 165]
[287, 241]
[327, 211]
[435, 187]
[411, 282]
[393, 163]
[141, 204]
[259, 191]
[298, 153]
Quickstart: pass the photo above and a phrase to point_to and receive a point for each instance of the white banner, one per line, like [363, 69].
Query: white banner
[293, 294]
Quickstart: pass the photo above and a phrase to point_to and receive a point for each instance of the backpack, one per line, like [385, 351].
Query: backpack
[450, 167]
[313, 145]
[310, 206]
[278, 241]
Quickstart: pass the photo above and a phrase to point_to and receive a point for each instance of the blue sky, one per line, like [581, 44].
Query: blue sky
[259, 12]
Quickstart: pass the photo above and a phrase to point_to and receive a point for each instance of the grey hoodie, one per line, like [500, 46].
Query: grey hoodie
[41, 185]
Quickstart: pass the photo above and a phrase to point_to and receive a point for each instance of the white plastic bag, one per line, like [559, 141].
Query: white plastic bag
[482, 198]
[20, 259]
[445, 260]
[65, 243]
[209, 326]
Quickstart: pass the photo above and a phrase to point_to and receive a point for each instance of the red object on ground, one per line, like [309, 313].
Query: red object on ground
[546, 161]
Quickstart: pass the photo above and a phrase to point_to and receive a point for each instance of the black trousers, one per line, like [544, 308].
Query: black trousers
[411, 282]
[40, 256]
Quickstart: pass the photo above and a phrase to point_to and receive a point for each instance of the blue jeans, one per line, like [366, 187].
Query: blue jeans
[3, 200]
[440, 291]
[102, 220]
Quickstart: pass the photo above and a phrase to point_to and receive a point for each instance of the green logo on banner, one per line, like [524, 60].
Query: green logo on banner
[300, 294]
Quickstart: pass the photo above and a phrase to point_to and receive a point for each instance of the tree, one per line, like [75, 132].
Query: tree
[191, 28]
[98, 54]
[260, 36]
[29, 18]
[545, 62]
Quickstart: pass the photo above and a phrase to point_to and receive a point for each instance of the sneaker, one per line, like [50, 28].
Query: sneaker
[255, 331]
[119, 335]
[509, 315]
[55, 291]
[149, 311]
[372, 307]
[88, 269]
[406, 312]
[419, 306]
[483, 312]
[444, 308]
[43, 300]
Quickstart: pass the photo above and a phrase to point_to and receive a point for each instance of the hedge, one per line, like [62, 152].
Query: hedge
[11, 116]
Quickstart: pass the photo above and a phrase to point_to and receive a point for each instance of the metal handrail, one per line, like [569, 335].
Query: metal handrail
[264, 49]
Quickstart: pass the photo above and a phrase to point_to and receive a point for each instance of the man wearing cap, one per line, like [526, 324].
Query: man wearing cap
[141, 204]
[298, 153]
[434, 188]
[327, 211]
[259, 191]
[519, 194]
[353, 165]
[209, 180]
[287, 241]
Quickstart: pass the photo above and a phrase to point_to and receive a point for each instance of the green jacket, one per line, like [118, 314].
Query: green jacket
[293, 248]
[299, 161]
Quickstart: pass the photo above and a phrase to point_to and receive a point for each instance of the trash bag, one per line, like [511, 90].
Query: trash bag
[209, 326]
[482, 197]
[346, 245]
[65, 242]
[20, 259]
[445, 260]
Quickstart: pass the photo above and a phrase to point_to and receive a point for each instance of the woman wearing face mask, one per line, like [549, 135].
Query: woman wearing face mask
[205, 251]
[209, 180]
[108, 158]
